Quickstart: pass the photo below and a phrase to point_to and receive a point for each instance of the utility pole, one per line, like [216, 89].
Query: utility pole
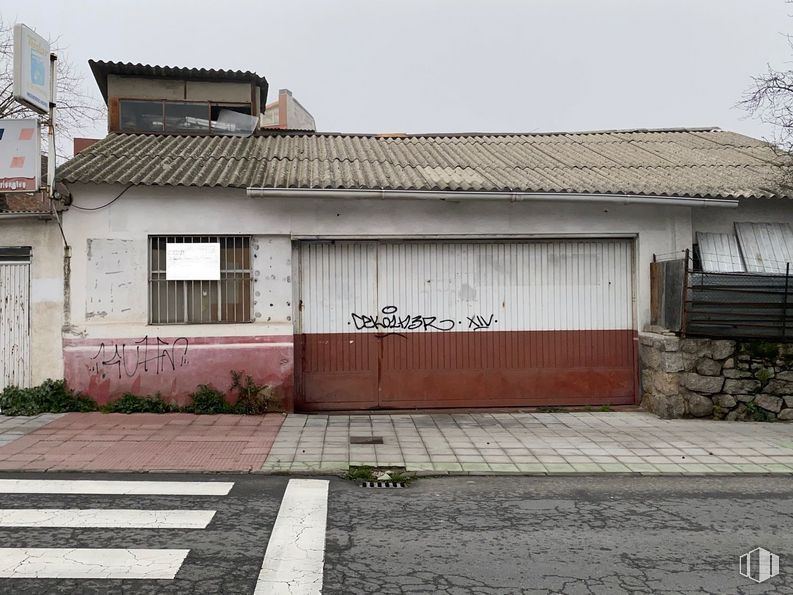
[51, 128]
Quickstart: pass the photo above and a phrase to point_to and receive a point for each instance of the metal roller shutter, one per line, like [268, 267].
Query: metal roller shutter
[466, 324]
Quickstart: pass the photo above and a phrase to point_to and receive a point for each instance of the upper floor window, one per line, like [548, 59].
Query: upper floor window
[182, 117]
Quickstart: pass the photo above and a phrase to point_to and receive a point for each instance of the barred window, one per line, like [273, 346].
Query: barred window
[226, 298]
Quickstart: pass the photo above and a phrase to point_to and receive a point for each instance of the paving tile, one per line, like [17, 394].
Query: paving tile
[642, 467]
[473, 467]
[558, 468]
[550, 460]
[587, 467]
[577, 459]
[425, 466]
[700, 468]
[777, 468]
[531, 467]
[504, 467]
[615, 467]
[440, 466]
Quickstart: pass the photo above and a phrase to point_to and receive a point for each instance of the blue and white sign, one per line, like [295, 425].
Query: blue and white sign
[31, 69]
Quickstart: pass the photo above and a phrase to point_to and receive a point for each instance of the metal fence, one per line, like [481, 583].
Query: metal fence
[729, 305]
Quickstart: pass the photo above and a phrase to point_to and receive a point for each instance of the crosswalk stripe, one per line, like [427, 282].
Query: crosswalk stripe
[90, 563]
[129, 488]
[295, 556]
[105, 518]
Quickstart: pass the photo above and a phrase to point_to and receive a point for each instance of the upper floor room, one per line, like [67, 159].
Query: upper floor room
[172, 100]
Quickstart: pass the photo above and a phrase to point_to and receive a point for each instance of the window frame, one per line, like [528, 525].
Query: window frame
[238, 278]
[209, 103]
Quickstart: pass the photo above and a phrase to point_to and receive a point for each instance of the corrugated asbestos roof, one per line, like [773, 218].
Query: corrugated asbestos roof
[102, 69]
[691, 163]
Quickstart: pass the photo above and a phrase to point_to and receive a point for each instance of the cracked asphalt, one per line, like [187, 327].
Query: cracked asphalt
[568, 535]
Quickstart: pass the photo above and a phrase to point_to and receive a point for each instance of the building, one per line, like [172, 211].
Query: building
[287, 113]
[383, 271]
[31, 290]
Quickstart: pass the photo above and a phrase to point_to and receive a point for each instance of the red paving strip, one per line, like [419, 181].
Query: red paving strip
[145, 442]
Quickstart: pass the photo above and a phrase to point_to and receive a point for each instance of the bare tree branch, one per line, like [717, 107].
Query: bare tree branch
[76, 109]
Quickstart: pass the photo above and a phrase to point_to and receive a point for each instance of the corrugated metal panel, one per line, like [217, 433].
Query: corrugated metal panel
[766, 247]
[402, 324]
[697, 163]
[14, 324]
[511, 286]
[719, 253]
[336, 279]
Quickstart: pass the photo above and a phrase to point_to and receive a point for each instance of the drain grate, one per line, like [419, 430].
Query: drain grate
[382, 484]
[366, 439]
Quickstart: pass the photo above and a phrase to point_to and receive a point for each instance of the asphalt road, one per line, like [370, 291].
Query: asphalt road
[569, 535]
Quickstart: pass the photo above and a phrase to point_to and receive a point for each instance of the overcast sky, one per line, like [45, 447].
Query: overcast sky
[452, 65]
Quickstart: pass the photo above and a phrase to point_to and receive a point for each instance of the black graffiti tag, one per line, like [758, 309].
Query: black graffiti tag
[478, 322]
[152, 355]
[390, 319]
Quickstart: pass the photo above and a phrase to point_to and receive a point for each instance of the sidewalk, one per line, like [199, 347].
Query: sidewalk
[430, 444]
[532, 443]
[137, 442]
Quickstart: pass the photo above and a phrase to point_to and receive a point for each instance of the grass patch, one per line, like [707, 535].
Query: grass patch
[360, 473]
[252, 398]
[207, 400]
[51, 396]
[400, 477]
[755, 412]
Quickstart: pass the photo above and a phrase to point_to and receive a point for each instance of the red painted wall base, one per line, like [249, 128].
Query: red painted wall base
[104, 369]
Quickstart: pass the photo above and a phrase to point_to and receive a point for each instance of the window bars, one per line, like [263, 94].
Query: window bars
[227, 300]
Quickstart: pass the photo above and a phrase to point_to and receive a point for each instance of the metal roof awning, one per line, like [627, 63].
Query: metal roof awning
[754, 248]
[719, 253]
[766, 247]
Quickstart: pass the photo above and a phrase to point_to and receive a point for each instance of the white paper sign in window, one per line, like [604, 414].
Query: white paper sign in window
[192, 262]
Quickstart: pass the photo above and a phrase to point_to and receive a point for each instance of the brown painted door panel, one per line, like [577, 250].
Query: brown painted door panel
[339, 371]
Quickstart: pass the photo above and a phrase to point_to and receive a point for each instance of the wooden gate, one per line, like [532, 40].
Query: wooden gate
[14, 319]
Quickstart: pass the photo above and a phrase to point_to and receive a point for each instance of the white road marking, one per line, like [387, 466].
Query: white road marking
[131, 488]
[295, 557]
[90, 563]
[105, 518]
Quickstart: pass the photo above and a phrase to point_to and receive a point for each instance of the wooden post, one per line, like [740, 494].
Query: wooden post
[683, 315]
[784, 306]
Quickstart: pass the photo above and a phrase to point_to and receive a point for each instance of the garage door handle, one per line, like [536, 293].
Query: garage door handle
[384, 335]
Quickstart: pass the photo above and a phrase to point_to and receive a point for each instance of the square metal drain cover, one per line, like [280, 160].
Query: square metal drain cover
[366, 439]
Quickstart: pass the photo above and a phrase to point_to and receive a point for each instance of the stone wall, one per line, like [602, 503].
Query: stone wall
[747, 381]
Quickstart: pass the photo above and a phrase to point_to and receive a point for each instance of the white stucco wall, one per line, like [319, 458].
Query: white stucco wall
[756, 210]
[46, 291]
[275, 222]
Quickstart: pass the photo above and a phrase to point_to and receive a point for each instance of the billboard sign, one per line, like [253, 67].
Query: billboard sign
[31, 69]
[20, 155]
